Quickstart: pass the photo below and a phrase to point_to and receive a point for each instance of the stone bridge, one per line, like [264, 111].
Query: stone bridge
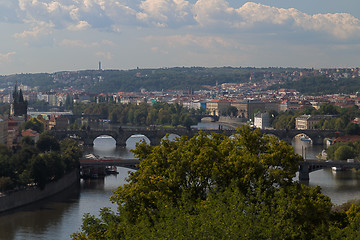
[309, 166]
[156, 134]
[122, 135]
[317, 136]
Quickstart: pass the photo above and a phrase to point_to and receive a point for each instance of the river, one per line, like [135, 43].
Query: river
[59, 216]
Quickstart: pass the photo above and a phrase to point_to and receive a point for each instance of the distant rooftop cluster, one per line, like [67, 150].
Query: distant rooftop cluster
[216, 98]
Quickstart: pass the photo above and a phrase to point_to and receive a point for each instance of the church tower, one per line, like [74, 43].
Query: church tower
[18, 105]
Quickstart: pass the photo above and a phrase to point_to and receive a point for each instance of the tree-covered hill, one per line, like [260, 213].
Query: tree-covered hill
[320, 85]
[177, 78]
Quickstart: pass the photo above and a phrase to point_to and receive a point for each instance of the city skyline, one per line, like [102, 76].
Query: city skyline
[50, 36]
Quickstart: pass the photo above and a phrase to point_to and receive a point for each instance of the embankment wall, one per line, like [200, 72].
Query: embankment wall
[27, 196]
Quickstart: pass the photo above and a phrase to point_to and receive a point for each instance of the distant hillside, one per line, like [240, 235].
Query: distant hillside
[320, 85]
[133, 80]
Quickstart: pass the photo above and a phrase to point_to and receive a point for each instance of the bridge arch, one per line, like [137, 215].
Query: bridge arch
[91, 136]
[171, 136]
[105, 140]
[136, 138]
[303, 138]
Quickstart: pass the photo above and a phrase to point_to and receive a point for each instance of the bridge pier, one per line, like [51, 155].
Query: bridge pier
[155, 141]
[304, 172]
[88, 142]
[120, 142]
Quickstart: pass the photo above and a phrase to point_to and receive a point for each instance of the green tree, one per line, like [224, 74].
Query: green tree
[34, 124]
[70, 154]
[328, 109]
[211, 187]
[47, 143]
[352, 129]
[285, 120]
[343, 153]
[39, 171]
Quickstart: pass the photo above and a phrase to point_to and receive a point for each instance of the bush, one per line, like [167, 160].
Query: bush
[6, 183]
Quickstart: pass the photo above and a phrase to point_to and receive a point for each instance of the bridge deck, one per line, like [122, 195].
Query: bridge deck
[109, 162]
[331, 163]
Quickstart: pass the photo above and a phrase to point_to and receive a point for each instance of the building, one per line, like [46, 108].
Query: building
[194, 104]
[13, 134]
[247, 108]
[305, 122]
[45, 121]
[34, 135]
[59, 122]
[217, 107]
[261, 120]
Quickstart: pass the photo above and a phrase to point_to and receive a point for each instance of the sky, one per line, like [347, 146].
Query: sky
[60, 35]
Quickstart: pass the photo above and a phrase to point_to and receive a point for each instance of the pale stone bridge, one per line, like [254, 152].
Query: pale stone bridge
[155, 135]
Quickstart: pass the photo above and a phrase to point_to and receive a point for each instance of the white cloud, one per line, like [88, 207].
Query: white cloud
[165, 12]
[81, 44]
[41, 29]
[215, 13]
[204, 42]
[6, 56]
[79, 26]
[209, 16]
[108, 42]
[106, 55]
[77, 44]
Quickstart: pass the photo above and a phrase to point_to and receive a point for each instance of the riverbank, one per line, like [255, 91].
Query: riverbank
[27, 196]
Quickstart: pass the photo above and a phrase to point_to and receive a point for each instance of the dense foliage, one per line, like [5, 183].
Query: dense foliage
[39, 163]
[215, 187]
[344, 151]
[34, 124]
[143, 114]
[320, 85]
[169, 78]
[177, 78]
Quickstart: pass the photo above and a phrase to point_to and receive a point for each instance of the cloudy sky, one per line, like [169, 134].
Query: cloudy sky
[56, 35]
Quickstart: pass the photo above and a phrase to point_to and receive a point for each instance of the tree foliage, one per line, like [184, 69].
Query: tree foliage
[334, 118]
[34, 124]
[46, 161]
[215, 187]
[344, 150]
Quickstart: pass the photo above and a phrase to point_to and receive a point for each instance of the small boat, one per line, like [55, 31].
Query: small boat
[305, 138]
[336, 169]
[91, 156]
[111, 170]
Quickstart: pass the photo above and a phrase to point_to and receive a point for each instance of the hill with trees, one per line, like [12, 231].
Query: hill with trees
[321, 85]
[177, 78]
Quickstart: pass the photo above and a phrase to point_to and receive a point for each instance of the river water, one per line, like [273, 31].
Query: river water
[59, 216]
